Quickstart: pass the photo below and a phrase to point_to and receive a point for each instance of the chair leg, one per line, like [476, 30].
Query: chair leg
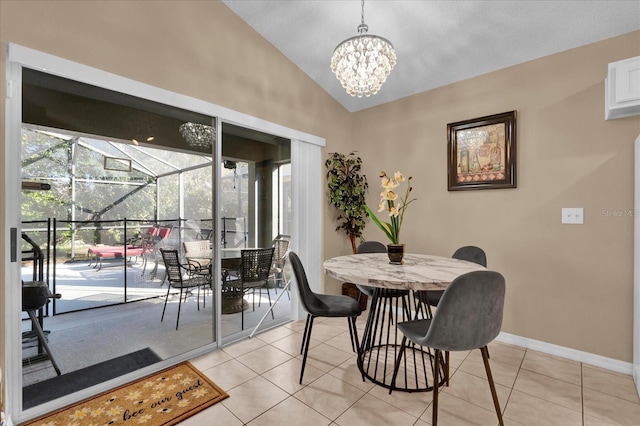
[253, 299]
[284, 284]
[197, 300]
[306, 347]
[355, 341]
[396, 367]
[274, 278]
[446, 367]
[304, 335]
[179, 306]
[144, 265]
[204, 296]
[242, 291]
[351, 330]
[494, 395]
[165, 302]
[436, 388]
[269, 296]
[242, 314]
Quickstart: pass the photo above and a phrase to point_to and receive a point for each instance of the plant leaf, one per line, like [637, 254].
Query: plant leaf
[385, 227]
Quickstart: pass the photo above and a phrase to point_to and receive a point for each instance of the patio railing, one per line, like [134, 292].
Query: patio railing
[102, 263]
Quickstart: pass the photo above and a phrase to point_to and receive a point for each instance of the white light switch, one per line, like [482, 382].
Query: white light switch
[573, 216]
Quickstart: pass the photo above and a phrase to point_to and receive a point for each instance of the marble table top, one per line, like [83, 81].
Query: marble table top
[419, 271]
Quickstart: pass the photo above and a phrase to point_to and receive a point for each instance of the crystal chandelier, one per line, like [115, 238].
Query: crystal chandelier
[197, 135]
[363, 62]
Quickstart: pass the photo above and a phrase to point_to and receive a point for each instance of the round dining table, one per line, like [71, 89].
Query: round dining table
[392, 303]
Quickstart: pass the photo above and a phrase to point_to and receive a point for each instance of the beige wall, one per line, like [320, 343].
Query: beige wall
[567, 285]
[196, 48]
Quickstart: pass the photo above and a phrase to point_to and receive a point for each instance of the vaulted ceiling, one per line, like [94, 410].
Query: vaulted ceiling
[436, 42]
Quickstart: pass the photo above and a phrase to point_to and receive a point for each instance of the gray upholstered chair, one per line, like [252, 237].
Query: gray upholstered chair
[428, 298]
[469, 316]
[323, 305]
[469, 253]
[369, 247]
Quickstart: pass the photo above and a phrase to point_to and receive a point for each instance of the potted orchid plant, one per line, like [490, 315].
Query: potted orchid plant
[395, 206]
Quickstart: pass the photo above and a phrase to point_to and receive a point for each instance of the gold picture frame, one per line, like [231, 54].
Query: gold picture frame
[482, 153]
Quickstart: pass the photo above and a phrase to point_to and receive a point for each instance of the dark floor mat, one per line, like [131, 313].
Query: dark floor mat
[65, 384]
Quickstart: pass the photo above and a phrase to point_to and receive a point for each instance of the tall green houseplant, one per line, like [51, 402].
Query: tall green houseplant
[347, 189]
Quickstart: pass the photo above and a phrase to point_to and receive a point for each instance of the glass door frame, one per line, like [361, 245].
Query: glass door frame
[306, 173]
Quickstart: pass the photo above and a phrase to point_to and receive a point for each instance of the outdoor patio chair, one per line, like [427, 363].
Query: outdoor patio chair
[152, 243]
[182, 277]
[205, 234]
[281, 246]
[198, 254]
[251, 274]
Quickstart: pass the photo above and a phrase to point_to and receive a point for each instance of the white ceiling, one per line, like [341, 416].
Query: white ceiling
[436, 42]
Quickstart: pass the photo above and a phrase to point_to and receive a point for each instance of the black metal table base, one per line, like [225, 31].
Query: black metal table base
[381, 345]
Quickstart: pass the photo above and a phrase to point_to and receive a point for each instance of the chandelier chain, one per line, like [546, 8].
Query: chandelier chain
[362, 28]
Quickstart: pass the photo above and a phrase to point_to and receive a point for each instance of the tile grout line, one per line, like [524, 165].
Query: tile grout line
[582, 391]
[506, 403]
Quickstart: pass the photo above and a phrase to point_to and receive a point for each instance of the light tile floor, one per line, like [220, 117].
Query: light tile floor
[261, 376]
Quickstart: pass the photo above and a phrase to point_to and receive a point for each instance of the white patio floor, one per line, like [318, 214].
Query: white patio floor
[113, 328]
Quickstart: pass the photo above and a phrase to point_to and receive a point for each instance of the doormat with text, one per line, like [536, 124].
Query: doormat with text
[164, 398]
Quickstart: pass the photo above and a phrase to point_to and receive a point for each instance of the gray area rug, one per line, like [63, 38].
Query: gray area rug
[59, 386]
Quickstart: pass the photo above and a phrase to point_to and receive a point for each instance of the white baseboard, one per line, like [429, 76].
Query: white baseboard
[572, 354]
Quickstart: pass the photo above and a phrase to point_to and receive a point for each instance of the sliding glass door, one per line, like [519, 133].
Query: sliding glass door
[109, 182]
[137, 170]
[128, 178]
[249, 210]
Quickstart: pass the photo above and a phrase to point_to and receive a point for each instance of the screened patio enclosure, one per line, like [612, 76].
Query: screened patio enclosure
[104, 197]
[91, 225]
[105, 194]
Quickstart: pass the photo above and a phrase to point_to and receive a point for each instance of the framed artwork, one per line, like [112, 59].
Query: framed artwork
[482, 153]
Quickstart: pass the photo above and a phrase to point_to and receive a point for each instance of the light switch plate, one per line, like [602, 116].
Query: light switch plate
[573, 215]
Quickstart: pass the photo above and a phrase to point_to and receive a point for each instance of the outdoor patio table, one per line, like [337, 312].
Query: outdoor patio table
[232, 299]
[380, 343]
